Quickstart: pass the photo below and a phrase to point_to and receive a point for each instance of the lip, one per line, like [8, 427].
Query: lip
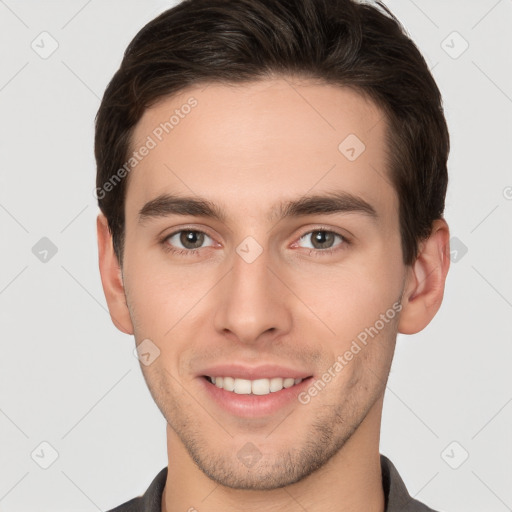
[240, 371]
[253, 406]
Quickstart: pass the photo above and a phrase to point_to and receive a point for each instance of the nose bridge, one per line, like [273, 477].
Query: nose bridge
[252, 300]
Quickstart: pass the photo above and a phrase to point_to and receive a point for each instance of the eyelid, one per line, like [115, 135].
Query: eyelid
[187, 228]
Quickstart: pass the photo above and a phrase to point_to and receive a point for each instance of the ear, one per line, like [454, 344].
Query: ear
[424, 288]
[111, 278]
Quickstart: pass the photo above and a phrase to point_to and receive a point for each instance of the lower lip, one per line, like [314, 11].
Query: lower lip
[254, 406]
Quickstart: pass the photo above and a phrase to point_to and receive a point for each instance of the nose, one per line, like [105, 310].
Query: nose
[253, 302]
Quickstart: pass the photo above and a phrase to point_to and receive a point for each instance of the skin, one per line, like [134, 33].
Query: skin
[247, 148]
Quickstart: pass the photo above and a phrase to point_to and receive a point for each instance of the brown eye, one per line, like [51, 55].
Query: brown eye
[187, 239]
[194, 238]
[322, 239]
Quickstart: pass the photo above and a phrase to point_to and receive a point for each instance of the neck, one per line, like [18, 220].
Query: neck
[350, 481]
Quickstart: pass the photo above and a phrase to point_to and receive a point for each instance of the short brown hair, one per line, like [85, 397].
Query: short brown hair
[339, 42]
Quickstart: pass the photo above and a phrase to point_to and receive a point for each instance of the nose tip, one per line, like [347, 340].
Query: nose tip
[251, 302]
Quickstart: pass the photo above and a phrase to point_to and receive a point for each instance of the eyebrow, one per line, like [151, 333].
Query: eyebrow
[327, 203]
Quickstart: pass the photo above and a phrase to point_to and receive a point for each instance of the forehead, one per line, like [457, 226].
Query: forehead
[247, 145]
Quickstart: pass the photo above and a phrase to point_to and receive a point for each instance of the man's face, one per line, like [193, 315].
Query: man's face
[255, 288]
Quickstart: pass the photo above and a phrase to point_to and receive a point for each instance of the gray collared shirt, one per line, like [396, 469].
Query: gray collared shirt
[395, 493]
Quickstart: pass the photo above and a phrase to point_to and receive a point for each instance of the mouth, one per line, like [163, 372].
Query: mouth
[258, 398]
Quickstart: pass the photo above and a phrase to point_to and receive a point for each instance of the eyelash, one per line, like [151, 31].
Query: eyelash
[312, 252]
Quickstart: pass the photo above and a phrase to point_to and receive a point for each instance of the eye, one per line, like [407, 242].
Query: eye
[185, 241]
[322, 241]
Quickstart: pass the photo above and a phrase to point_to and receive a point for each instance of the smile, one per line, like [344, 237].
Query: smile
[256, 398]
[254, 387]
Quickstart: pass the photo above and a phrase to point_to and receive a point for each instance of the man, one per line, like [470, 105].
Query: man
[271, 178]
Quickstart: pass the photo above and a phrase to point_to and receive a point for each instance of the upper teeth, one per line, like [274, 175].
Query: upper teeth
[256, 387]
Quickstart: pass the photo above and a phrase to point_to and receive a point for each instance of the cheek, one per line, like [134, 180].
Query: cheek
[148, 294]
[348, 298]
[163, 297]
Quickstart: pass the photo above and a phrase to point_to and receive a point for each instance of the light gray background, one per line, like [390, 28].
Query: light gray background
[70, 379]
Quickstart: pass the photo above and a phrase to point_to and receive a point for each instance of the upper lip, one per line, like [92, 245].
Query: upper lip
[241, 371]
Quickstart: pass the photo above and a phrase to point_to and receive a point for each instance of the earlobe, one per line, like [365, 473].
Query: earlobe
[111, 278]
[424, 289]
